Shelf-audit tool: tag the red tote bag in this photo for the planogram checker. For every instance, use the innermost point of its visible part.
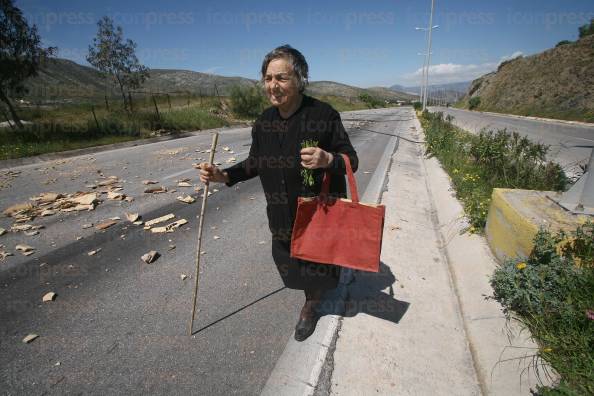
(338, 231)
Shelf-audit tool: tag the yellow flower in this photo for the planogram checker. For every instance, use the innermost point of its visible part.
(521, 265)
(547, 350)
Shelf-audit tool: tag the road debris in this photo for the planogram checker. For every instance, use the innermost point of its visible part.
(50, 296)
(94, 252)
(216, 237)
(25, 249)
(160, 219)
(4, 253)
(105, 224)
(155, 190)
(150, 257)
(132, 217)
(184, 184)
(85, 226)
(147, 182)
(115, 196)
(31, 233)
(183, 276)
(29, 338)
(47, 212)
(186, 199)
(2, 231)
(171, 247)
(169, 227)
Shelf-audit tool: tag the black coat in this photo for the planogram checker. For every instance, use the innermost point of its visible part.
(275, 157)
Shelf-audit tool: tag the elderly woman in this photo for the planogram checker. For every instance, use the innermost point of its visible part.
(278, 156)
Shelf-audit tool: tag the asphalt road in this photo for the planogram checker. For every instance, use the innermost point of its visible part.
(554, 134)
(118, 325)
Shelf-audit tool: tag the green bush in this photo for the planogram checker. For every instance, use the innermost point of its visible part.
(417, 105)
(551, 293)
(587, 29)
(474, 102)
(247, 101)
(563, 42)
(371, 101)
(479, 163)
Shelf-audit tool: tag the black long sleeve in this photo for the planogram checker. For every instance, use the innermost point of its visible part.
(248, 168)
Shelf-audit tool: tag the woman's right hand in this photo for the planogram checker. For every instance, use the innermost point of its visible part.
(210, 173)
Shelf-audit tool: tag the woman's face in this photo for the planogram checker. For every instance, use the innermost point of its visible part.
(280, 83)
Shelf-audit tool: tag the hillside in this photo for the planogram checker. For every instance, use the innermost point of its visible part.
(557, 83)
(66, 81)
(322, 88)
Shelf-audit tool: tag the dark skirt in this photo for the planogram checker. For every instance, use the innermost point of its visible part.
(301, 274)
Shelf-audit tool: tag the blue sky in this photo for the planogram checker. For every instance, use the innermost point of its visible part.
(362, 43)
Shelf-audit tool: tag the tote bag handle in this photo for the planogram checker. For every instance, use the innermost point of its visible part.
(351, 178)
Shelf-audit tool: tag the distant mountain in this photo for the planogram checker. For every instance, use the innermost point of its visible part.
(460, 87)
(65, 80)
(556, 83)
(321, 88)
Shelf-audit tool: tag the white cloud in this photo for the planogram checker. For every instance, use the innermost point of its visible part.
(444, 73)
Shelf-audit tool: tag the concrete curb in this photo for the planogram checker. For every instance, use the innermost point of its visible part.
(300, 366)
(500, 349)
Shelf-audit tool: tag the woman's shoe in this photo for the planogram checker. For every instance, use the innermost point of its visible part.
(305, 328)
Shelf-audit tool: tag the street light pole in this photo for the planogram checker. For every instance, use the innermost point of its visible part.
(429, 53)
(425, 69)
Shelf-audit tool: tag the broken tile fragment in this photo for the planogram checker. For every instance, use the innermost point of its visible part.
(25, 249)
(160, 219)
(132, 217)
(29, 338)
(186, 199)
(105, 224)
(94, 252)
(155, 190)
(50, 296)
(184, 184)
(150, 257)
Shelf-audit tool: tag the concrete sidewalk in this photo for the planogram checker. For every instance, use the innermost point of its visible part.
(423, 326)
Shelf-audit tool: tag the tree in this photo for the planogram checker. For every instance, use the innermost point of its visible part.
(587, 29)
(474, 102)
(247, 101)
(21, 54)
(111, 55)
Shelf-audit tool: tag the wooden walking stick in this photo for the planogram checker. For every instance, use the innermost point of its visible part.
(213, 147)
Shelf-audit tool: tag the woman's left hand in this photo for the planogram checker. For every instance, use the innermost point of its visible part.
(315, 157)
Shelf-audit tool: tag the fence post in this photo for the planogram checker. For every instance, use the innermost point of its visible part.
(130, 101)
(95, 117)
(156, 108)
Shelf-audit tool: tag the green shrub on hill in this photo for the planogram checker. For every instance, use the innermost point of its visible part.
(474, 102)
(247, 101)
(587, 29)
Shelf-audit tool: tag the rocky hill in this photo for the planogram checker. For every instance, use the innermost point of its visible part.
(64, 80)
(557, 83)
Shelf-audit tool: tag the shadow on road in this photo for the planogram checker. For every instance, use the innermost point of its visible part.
(237, 310)
(365, 294)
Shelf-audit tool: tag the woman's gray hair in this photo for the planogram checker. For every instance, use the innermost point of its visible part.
(296, 59)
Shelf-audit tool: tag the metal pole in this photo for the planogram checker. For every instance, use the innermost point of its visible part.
(429, 52)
